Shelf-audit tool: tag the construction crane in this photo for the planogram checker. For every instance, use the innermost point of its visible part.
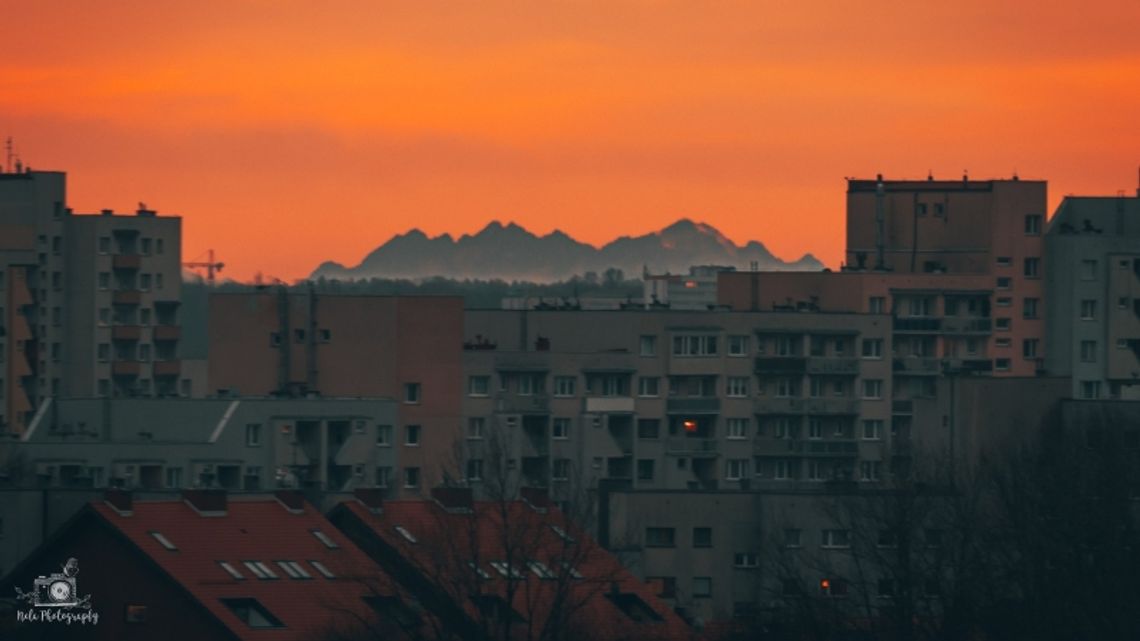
(210, 265)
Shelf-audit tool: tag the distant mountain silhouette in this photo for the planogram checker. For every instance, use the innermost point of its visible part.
(510, 252)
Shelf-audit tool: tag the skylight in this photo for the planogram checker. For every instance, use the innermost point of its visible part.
(320, 567)
(231, 570)
(574, 573)
(506, 570)
(163, 541)
(324, 538)
(294, 570)
(260, 570)
(562, 533)
(478, 570)
(406, 534)
(540, 569)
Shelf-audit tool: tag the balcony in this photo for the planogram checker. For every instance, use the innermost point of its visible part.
(523, 362)
(694, 447)
(506, 403)
(167, 368)
(126, 261)
(692, 406)
(969, 366)
(833, 366)
(833, 406)
(778, 406)
(781, 365)
(126, 297)
(126, 333)
(777, 446)
(917, 324)
(902, 407)
(126, 368)
(844, 448)
(917, 366)
(167, 332)
(953, 325)
(608, 405)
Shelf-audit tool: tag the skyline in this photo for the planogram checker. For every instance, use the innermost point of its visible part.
(260, 122)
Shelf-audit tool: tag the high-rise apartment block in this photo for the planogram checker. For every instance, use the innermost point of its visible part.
(89, 304)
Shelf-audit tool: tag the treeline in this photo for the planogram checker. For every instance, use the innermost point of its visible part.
(476, 293)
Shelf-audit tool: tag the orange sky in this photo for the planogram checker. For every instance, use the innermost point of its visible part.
(290, 132)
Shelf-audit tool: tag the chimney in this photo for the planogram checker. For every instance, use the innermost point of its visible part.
(120, 500)
(210, 502)
(536, 497)
(454, 498)
(371, 497)
(293, 500)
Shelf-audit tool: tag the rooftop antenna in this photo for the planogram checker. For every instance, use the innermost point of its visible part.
(8, 148)
(880, 259)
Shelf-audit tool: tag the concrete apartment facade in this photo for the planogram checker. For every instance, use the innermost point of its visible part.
(1093, 278)
(324, 446)
(294, 344)
(89, 303)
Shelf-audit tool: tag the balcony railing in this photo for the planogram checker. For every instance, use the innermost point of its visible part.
(778, 406)
(126, 297)
(125, 368)
(917, 324)
(691, 446)
(126, 261)
(692, 406)
(167, 368)
(608, 404)
(833, 448)
(126, 333)
(821, 365)
(952, 325)
(781, 365)
(831, 406)
(167, 332)
(917, 366)
(777, 446)
(506, 403)
(902, 407)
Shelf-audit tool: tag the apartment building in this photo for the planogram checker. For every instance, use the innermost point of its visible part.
(678, 400)
(89, 304)
(1093, 277)
(300, 343)
(990, 228)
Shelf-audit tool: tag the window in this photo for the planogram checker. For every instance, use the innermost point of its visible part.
(252, 613)
(787, 388)
(383, 435)
(146, 246)
(158, 285)
(412, 435)
(660, 537)
(478, 385)
(737, 428)
(411, 392)
(1032, 267)
(815, 428)
(383, 476)
(872, 348)
(163, 541)
(1029, 348)
(475, 427)
(1004, 282)
(920, 209)
(738, 346)
(324, 571)
(872, 389)
(746, 560)
(159, 246)
(645, 469)
(792, 537)
(736, 469)
(1033, 225)
(1088, 270)
(104, 244)
(103, 352)
(1088, 309)
(1029, 308)
(174, 477)
(702, 586)
(144, 282)
(144, 352)
(231, 570)
(1001, 364)
(648, 346)
(564, 385)
(260, 570)
(475, 469)
(835, 539)
(1001, 324)
(253, 434)
(737, 386)
(540, 570)
(694, 345)
(1088, 351)
(702, 537)
(832, 587)
(815, 470)
(411, 477)
(815, 387)
(876, 304)
(648, 428)
(1004, 261)
(784, 346)
(507, 570)
(870, 470)
(781, 470)
(560, 469)
(872, 429)
(561, 428)
(325, 539)
(648, 386)
(294, 570)
(1003, 301)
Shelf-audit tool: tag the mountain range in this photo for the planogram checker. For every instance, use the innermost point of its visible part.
(510, 252)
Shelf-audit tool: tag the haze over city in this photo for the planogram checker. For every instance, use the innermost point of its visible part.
(288, 133)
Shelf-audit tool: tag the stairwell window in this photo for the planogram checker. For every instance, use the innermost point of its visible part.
(872, 389)
(411, 477)
(737, 387)
(411, 392)
(660, 537)
(1033, 225)
(478, 385)
(835, 539)
(738, 345)
(412, 435)
(564, 385)
(1088, 309)
(1032, 267)
(253, 434)
(736, 469)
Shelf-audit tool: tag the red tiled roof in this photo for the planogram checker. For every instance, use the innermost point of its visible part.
(255, 530)
(446, 540)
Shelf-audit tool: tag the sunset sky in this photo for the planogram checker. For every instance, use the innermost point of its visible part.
(288, 132)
